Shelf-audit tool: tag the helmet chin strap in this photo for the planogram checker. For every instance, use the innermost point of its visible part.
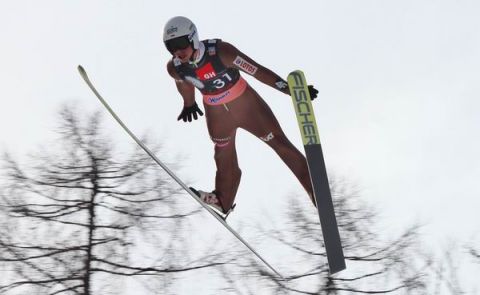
(197, 54)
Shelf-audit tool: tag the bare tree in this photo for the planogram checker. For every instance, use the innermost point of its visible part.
(81, 218)
(444, 275)
(476, 254)
(374, 265)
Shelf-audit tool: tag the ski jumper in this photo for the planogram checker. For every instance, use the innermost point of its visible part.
(231, 103)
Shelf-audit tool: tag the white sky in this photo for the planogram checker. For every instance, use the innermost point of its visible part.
(398, 113)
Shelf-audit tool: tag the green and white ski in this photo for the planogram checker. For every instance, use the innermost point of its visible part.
(316, 166)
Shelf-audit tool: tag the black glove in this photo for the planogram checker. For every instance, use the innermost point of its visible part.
(187, 113)
(313, 92)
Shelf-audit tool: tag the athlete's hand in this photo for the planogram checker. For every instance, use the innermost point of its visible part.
(313, 92)
(187, 113)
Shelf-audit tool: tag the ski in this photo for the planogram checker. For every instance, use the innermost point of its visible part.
(84, 75)
(316, 165)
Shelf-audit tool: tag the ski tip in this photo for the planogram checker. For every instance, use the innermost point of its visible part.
(296, 72)
(81, 70)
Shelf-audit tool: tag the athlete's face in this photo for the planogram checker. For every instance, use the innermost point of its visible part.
(180, 47)
(184, 54)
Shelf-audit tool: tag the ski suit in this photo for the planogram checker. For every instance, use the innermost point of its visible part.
(231, 103)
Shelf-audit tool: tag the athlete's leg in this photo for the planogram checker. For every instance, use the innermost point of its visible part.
(228, 174)
(255, 116)
(222, 129)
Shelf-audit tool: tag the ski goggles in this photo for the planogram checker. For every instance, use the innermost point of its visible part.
(178, 43)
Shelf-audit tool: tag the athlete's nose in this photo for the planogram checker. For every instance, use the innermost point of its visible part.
(179, 53)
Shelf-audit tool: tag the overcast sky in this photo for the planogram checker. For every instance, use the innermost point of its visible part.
(398, 108)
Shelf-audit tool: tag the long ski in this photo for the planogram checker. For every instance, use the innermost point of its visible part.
(83, 73)
(316, 166)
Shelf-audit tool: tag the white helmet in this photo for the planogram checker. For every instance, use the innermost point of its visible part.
(178, 27)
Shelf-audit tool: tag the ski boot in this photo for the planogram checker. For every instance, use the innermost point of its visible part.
(213, 202)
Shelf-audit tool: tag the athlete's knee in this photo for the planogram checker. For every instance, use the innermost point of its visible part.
(225, 154)
(221, 142)
(268, 137)
(282, 145)
(276, 140)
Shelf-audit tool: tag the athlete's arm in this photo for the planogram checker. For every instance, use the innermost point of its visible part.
(232, 57)
(187, 91)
